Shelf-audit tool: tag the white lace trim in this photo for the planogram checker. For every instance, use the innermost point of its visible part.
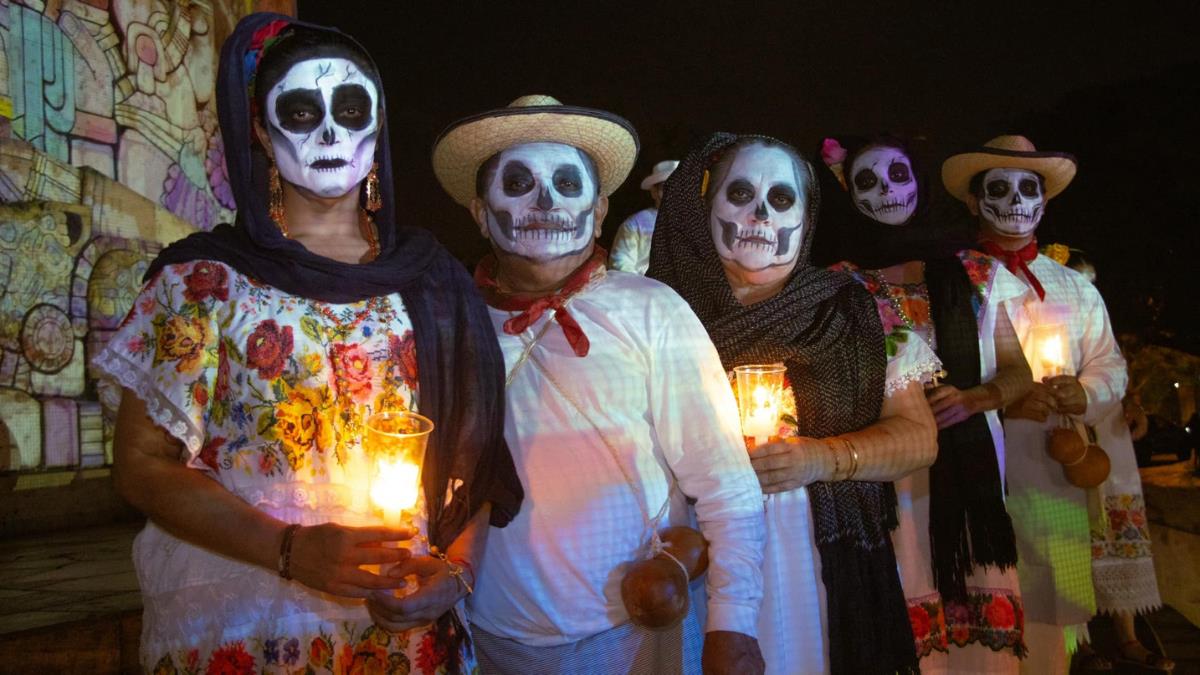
(161, 409)
(1125, 585)
(918, 372)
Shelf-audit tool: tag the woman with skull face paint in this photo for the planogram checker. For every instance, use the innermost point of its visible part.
(733, 239)
(896, 236)
(250, 363)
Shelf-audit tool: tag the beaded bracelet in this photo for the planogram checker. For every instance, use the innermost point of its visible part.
(456, 569)
(285, 550)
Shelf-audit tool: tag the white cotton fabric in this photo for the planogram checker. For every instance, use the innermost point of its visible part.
(654, 384)
(631, 246)
(793, 629)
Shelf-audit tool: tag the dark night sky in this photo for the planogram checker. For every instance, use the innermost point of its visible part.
(1117, 84)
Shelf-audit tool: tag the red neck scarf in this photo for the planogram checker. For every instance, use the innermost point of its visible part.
(532, 308)
(1017, 260)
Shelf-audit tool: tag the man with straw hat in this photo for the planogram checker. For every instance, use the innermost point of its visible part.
(1067, 569)
(618, 412)
(631, 246)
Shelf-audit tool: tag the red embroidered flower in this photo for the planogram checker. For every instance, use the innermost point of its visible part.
(1117, 518)
(200, 393)
(430, 654)
(208, 453)
(320, 653)
(368, 658)
(231, 659)
(921, 624)
(960, 635)
(1137, 518)
(999, 613)
(193, 660)
(268, 349)
(206, 279)
(136, 345)
(404, 356)
(221, 388)
(266, 463)
(351, 370)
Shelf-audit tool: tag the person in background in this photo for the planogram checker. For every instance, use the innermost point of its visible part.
(631, 246)
(1069, 569)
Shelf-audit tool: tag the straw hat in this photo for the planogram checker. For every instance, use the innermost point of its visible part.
(1008, 152)
(466, 144)
(660, 173)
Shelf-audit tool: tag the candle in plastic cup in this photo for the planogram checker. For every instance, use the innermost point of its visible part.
(395, 447)
(1051, 352)
(760, 397)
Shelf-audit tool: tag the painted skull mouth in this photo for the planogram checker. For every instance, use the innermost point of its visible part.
(755, 238)
(891, 206)
(541, 226)
(329, 164)
(1015, 215)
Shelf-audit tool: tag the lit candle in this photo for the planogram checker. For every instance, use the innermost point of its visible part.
(394, 489)
(760, 392)
(1051, 349)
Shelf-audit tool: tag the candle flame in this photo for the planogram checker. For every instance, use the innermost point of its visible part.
(1052, 351)
(395, 486)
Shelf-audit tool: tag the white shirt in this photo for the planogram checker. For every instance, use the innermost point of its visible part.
(654, 384)
(631, 246)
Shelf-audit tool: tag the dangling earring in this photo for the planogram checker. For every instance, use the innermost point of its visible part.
(374, 198)
(275, 199)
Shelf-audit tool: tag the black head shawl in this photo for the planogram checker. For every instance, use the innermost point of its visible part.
(968, 523)
(461, 368)
(825, 328)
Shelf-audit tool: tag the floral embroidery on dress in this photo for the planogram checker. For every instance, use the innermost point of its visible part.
(1125, 534)
(993, 618)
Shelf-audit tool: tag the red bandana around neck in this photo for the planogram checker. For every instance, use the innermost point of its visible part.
(1017, 260)
(532, 308)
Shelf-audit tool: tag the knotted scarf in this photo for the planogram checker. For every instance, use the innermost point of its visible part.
(531, 308)
(825, 328)
(1017, 260)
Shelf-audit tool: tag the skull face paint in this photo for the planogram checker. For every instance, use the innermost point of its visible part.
(323, 125)
(883, 185)
(757, 212)
(1012, 201)
(540, 202)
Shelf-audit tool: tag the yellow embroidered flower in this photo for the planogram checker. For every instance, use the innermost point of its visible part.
(181, 339)
(312, 361)
(301, 423)
(1059, 253)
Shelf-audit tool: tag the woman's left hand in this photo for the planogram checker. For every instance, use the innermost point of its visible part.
(437, 591)
(790, 464)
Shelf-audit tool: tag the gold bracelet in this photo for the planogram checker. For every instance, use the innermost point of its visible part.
(853, 458)
(284, 566)
(837, 465)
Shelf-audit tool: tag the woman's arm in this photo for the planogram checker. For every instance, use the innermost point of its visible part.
(190, 505)
(437, 589)
(1013, 380)
(902, 441)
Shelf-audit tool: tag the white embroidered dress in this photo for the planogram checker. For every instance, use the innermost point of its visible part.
(268, 393)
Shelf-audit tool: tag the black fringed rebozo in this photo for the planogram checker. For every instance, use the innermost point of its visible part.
(825, 328)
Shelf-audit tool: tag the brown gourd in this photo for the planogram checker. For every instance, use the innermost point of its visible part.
(655, 593)
(689, 547)
(1091, 470)
(1065, 446)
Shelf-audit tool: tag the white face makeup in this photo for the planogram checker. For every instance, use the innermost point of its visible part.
(323, 125)
(758, 210)
(1012, 201)
(883, 185)
(540, 203)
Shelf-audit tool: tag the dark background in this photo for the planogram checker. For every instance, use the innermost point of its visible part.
(1116, 84)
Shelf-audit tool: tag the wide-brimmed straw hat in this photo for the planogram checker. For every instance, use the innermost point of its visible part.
(659, 173)
(1008, 152)
(466, 144)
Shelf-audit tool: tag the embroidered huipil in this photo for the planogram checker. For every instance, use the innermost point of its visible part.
(631, 245)
(654, 385)
(987, 630)
(268, 393)
(793, 626)
(1070, 570)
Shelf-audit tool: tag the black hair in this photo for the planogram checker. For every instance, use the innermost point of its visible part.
(487, 172)
(299, 43)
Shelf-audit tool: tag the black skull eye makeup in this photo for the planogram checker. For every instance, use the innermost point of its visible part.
(516, 179)
(899, 172)
(865, 179)
(300, 110)
(568, 181)
(782, 197)
(1029, 187)
(997, 188)
(739, 192)
(352, 106)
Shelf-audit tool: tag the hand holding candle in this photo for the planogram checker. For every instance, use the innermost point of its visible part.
(395, 448)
